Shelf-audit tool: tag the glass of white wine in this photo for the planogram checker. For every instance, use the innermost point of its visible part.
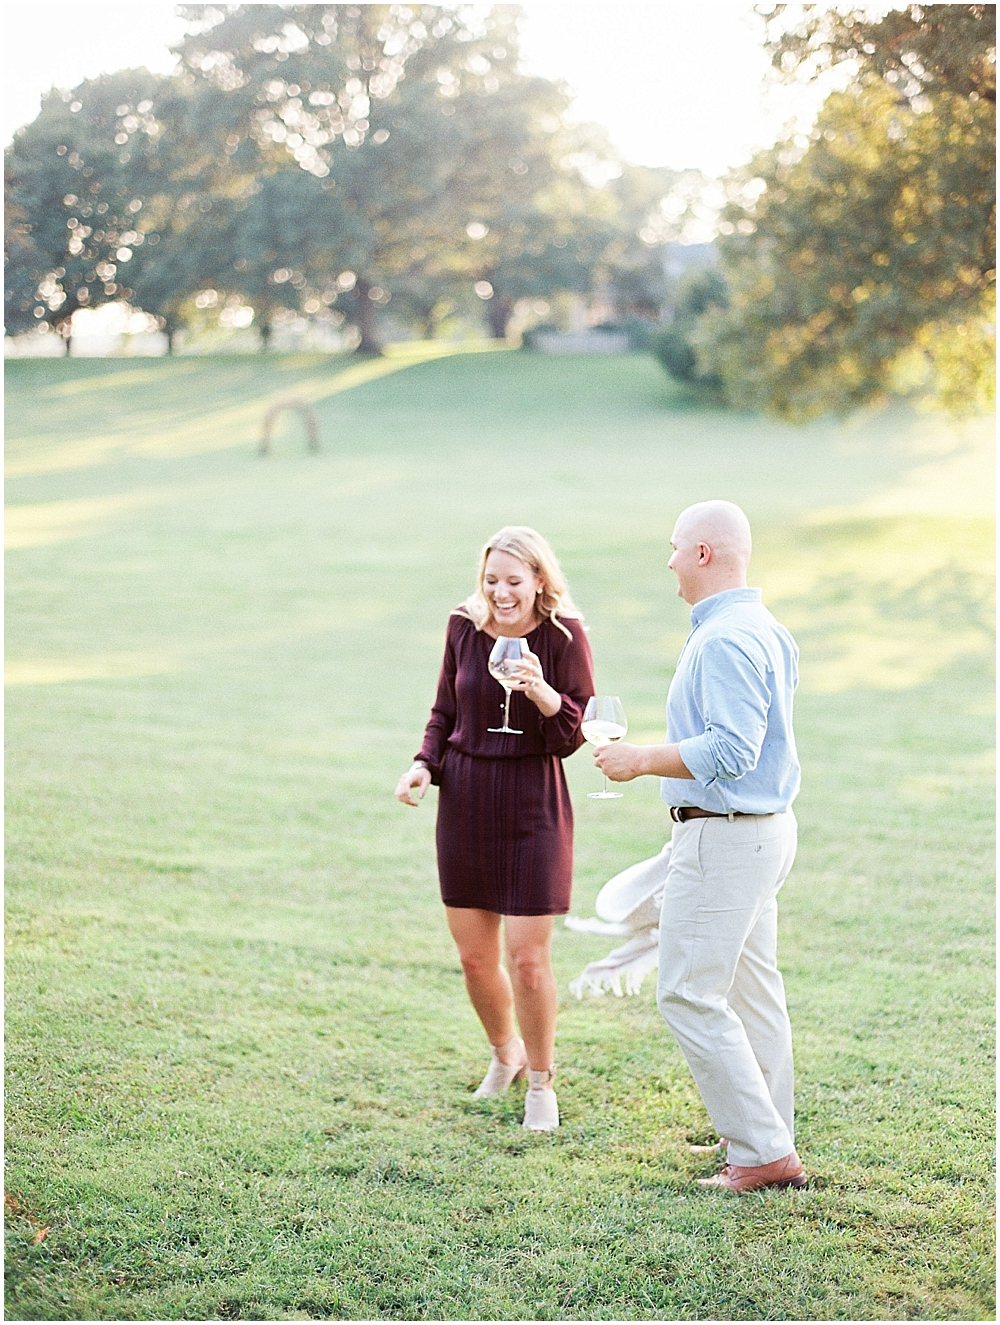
(504, 658)
(604, 721)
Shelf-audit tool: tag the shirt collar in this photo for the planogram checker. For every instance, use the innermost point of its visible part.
(709, 606)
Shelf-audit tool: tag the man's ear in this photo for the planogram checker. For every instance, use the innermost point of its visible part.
(704, 554)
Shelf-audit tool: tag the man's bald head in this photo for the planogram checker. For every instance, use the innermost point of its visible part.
(711, 549)
(720, 524)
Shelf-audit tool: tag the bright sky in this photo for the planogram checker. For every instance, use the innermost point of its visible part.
(676, 83)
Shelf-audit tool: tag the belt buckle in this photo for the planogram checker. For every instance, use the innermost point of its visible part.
(675, 813)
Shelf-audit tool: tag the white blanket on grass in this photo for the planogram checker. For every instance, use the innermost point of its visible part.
(628, 904)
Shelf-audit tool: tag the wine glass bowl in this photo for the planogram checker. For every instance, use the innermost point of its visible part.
(604, 721)
(505, 655)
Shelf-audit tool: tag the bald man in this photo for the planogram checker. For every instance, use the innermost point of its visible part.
(729, 772)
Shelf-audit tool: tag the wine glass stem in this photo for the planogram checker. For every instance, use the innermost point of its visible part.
(506, 711)
(605, 783)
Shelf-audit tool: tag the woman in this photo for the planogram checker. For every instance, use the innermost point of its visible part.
(505, 822)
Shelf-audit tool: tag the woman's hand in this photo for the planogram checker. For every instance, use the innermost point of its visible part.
(527, 677)
(417, 780)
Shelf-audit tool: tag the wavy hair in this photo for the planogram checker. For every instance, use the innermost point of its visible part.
(530, 547)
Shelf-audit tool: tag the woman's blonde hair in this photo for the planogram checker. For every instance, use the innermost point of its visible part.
(530, 547)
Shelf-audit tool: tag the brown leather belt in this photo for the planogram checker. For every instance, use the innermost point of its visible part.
(681, 813)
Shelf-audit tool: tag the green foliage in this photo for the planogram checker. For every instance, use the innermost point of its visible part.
(673, 349)
(876, 235)
(700, 290)
(633, 259)
(917, 48)
(445, 165)
(327, 160)
(90, 185)
(240, 1052)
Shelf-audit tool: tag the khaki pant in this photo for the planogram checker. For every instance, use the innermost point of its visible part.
(719, 988)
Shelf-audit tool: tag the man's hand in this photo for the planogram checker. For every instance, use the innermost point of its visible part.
(622, 762)
(619, 761)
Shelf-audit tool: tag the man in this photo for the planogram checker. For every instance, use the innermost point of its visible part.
(729, 772)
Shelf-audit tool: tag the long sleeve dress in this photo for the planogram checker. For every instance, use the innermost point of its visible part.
(505, 821)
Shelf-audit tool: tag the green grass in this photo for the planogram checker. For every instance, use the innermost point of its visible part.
(239, 1047)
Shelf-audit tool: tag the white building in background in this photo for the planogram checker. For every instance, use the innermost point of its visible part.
(589, 341)
(678, 258)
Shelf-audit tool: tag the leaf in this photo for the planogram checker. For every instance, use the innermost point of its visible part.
(40, 1235)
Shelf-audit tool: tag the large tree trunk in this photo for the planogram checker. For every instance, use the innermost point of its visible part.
(498, 311)
(264, 329)
(171, 326)
(424, 320)
(65, 329)
(365, 319)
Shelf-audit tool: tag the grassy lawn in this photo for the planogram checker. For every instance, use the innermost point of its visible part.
(239, 1047)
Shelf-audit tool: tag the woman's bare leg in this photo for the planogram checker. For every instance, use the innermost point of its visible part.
(528, 941)
(477, 937)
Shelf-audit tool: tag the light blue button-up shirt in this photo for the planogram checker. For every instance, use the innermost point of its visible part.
(730, 709)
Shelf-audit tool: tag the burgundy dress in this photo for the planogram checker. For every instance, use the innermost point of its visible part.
(505, 822)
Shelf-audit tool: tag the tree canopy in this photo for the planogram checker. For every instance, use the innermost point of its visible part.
(89, 187)
(311, 156)
(856, 253)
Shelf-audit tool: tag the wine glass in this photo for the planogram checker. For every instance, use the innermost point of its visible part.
(504, 658)
(604, 721)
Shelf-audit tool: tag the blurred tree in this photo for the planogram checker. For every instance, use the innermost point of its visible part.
(871, 240)
(633, 260)
(294, 87)
(699, 291)
(24, 262)
(446, 166)
(917, 48)
(278, 245)
(530, 223)
(311, 155)
(85, 184)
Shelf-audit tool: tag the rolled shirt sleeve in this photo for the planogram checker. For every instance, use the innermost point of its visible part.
(730, 689)
(729, 709)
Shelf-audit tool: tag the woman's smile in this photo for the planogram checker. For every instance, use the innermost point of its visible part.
(511, 589)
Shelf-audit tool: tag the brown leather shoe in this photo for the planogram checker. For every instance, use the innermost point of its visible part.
(786, 1172)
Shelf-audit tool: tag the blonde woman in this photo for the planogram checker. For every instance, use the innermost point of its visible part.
(505, 822)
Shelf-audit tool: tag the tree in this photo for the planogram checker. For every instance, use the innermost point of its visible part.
(281, 246)
(873, 238)
(530, 224)
(72, 204)
(917, 48)
(310, 155)
(633, 259)
(24, 261)
(88, 183)
(700, 290)
(311, 88)
(444, 162)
